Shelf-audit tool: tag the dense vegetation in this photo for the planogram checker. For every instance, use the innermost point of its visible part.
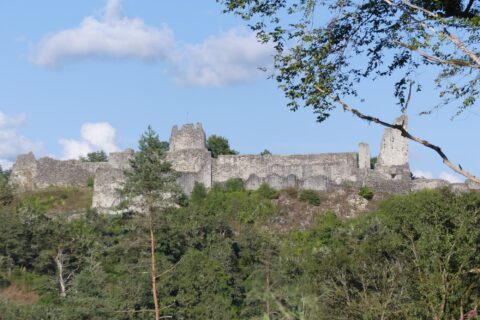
(414, 258)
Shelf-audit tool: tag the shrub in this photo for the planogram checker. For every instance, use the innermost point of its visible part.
(292, 193)
(90, 182)
(310, 196)
(267, 192)
(366, 192)
(199, 192)
(235, 184)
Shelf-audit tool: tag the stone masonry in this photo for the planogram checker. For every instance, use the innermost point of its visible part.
(190, 156)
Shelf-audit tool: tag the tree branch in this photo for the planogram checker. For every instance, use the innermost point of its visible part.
(451, 36)
(458, 63)
(407, 135)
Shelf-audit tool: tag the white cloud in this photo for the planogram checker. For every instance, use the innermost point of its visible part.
(233, 57)
(94, 137)
(11, 142)
(230, 58)
(112, 36)
(450, 177)
(422, 174)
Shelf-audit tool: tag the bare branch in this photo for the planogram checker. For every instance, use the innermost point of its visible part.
(407, 135)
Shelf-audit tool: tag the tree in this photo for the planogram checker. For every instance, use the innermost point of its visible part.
(219, 146)
(265, 153)
(151, 185)
(324, 50)
(97, 156)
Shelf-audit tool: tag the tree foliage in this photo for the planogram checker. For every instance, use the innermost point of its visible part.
(97, 156)
(326, 49)
(150, 176)
(416, 257)
(218, 145)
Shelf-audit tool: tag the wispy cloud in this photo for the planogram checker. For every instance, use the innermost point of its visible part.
(229, 58)
(422, 174)
(12, 142)
(94, 137)
(111, 36)
(450, 177)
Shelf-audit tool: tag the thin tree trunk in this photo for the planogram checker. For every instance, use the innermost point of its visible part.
(154, 268)
(59, 262)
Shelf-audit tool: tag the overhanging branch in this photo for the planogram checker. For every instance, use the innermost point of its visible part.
(407, 135)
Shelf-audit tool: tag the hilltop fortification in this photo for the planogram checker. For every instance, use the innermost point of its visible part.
(190, 156)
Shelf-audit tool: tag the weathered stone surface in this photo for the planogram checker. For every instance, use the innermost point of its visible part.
(364, 156)
(394, 148)
(187, 137)
(429, 184)
(335, 167)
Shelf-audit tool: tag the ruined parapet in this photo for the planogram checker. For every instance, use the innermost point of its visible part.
(392, 161)
(188, 137)
(315, 171)
(105, 191)
(24, 173)
(121, 160)
(364, 156)
(428, 184)
(109, 179)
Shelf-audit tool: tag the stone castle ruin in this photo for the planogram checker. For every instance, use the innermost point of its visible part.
(190, 156)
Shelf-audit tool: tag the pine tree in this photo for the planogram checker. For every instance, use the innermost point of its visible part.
(150, 186)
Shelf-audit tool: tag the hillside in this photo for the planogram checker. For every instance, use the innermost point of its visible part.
(229, 253)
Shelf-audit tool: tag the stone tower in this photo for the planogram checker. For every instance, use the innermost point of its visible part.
(187, 137)
(392, 160)
(189, 156)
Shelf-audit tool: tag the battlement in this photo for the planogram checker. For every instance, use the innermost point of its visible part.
(188, 137)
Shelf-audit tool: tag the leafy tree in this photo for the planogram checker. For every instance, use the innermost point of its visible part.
(97, 156)
(265, 153)
(219, 146)
(151, 185)
(325, 50)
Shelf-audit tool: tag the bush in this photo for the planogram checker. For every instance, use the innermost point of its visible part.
(267, 192)
(310, 196)
(292, 193)
(366, 193)
(265, 153)
(199, 192)
(235, 184)
(90, 182)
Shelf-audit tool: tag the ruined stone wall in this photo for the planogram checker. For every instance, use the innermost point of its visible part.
(109, 178)
(29, 174)
(305, 171)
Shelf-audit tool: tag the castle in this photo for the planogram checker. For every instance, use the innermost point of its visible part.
(190, 156)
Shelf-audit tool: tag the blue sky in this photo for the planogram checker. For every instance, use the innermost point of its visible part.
(76, 76)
